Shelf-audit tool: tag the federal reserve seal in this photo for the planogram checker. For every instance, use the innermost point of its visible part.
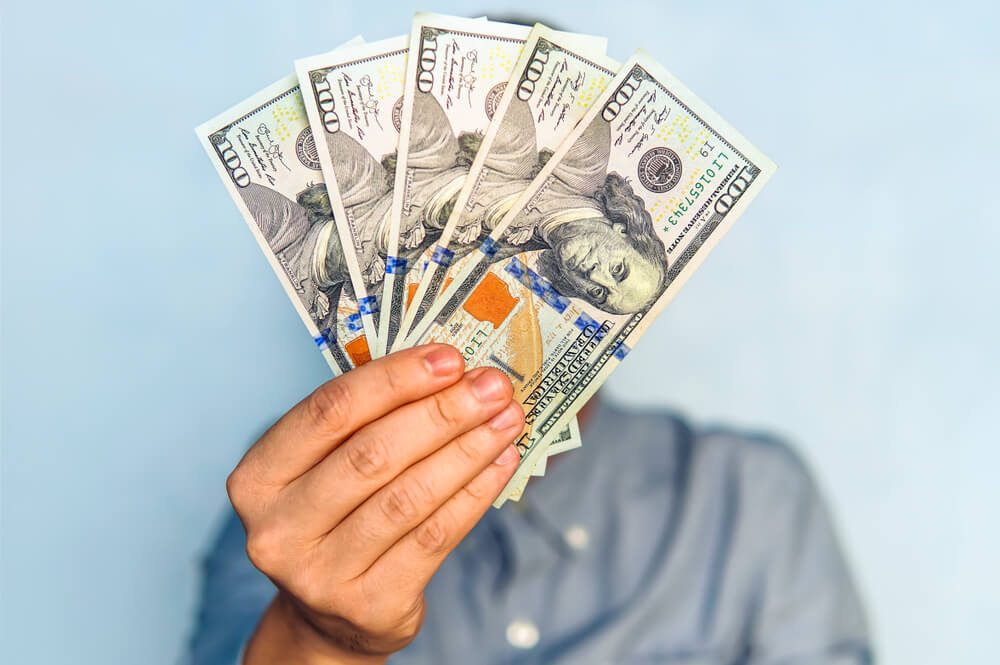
(660, 170)
(305, 150)
(397, 113)
(493, 99)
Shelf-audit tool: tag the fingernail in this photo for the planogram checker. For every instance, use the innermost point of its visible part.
(489, 386)
(510, 416)
(508, 456)
(443, 361)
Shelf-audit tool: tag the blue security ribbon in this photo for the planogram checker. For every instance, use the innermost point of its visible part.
(353, 322)
(585, 322)
(489, 247)
(325, 339)
(622, 351)
(517, 269)
(368, 305)
(442, 256)
(540, 286)
(394, 264)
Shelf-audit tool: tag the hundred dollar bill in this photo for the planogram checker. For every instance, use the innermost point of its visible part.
(517, 485)
(553, 84)
(455, 71)
(353, 98)
(622, 214)
(567, 439)
(264, 152)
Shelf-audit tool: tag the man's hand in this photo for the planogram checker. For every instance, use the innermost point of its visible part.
(353, 499)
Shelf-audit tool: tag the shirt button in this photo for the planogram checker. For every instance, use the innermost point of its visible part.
(577, 537)
(522, 634)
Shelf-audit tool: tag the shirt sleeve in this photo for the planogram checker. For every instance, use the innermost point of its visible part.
(808, 610)
(234, 596)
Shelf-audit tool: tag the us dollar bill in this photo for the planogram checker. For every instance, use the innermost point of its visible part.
(553, 84)
(264, 152)
(353, 99)
(567, 439)
(456, 68)
(622, 214)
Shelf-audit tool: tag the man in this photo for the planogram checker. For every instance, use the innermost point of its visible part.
(367, 508)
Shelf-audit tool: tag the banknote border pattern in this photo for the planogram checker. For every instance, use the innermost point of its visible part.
(225, 128)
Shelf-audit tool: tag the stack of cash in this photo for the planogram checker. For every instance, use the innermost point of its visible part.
(506, 189)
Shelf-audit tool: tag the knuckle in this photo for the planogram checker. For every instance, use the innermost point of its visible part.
(395, 377)
(432, 536)
(265, 549)
(478, 491)
(471, 446)
(329, 406)
(402, 502)
(367, 457)
(443, 412)
(402, 619)
(394, 617)
(412, 619)
(236, 488)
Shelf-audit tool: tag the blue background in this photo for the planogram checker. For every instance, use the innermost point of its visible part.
(854, 309)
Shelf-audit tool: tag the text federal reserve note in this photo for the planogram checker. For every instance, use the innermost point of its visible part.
(620, 216)
(353, 98)
(264, 152)
(554, 82)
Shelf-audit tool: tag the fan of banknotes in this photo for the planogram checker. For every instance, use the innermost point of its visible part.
(506, 189)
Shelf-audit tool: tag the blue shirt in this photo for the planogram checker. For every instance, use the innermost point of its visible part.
(654, 543)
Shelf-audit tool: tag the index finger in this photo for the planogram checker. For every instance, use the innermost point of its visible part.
(335, 410)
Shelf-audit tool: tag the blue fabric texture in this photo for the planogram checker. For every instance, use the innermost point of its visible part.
(654, 543)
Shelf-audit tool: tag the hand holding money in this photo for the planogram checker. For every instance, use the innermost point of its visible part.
(353, 499)
(509, 191)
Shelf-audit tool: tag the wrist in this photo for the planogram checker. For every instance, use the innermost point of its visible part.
(284, 635)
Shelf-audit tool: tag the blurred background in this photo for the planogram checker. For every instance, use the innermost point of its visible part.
(853, 310)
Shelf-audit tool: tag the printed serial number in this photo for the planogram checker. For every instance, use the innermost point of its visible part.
(699, 186)
(474, 344)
